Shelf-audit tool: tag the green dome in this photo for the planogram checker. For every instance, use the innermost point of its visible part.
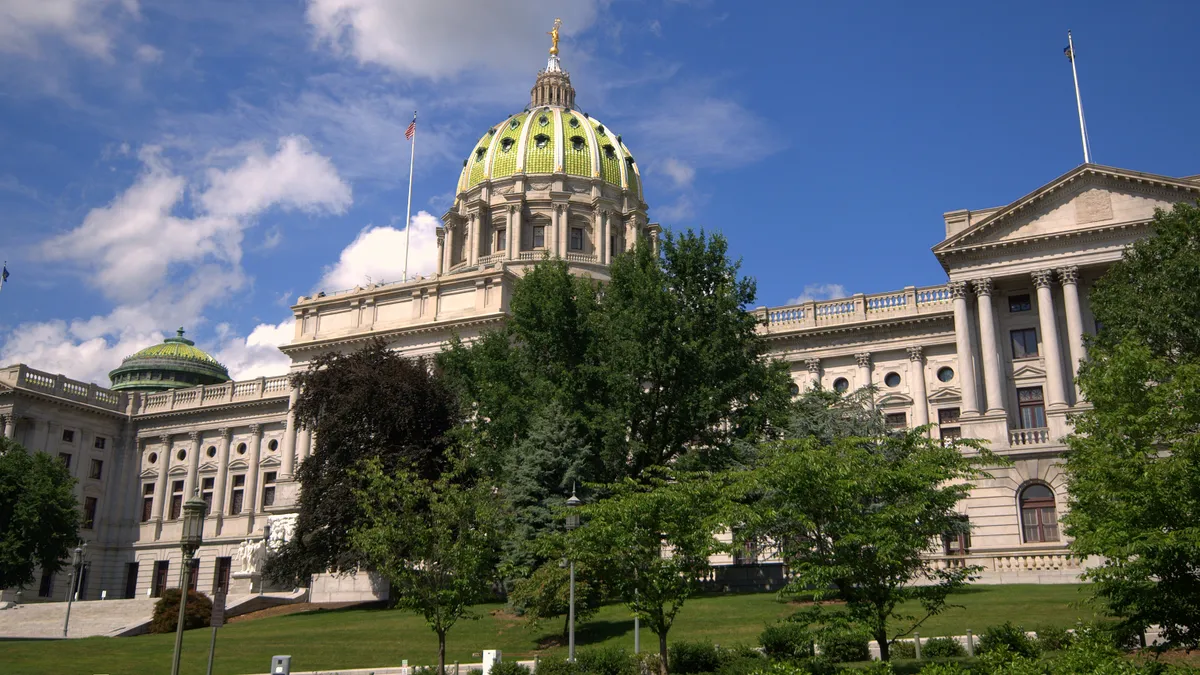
(174, 364)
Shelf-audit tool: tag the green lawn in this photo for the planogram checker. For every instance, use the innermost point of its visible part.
(359, 638)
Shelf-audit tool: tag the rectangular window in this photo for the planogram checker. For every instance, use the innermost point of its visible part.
(221, 578)
(89, 512)
(159, 583)
(176, 500)
(65, 458)
(268, 493)
(576, 239)
(958, 540)
(1024, 343)
(501, 240)
(99, 444)
(46, 585)
(147, 502)
(206, 493)
(1032, 408)
(539, 236)
(235, 495)
(1019, 303)
(897, 420)
(193, 573)
(948, 424)
(69, 435)
(612, 245)
(96, 470)
(131, 575)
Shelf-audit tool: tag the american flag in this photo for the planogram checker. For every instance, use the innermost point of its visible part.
(412, 129)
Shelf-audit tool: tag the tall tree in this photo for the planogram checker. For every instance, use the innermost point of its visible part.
(1134, 462)
(855, 518)
(623, 537)
(39, 517)
(367, 404)
(435, 540)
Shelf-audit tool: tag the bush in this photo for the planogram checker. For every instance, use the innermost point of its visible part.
(606, 661)
(817, 665)
(1010, 637)
(556, 666)
(685, 658)
(786, 640)
(740, 665)
(845, 645)
(166, 611)
(944, 669)
(903, 650)
(942, 648)
(1053, 638)
(508, 668)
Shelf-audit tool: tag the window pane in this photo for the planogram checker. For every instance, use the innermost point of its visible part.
(1019, 303)
(539, 236)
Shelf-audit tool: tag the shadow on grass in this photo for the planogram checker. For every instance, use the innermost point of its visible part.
(595, 631)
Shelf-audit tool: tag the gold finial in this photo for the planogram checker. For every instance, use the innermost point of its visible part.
(554, 37)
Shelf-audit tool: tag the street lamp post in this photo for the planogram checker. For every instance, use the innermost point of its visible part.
(192, 537)
(76, 559)
(572, 523)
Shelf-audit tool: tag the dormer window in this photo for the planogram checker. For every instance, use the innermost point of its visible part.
(610, 152)
(574, 123)
(513, 124)
(543, 120)
(506, 145)
(629, 161)
(492, 131)
(479, 153)
(541, 140)
(577, 143)
(600, 129)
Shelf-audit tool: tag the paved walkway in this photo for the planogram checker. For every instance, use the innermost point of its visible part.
(90, 617)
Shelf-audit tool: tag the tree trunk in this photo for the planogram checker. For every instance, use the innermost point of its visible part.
(441, 652)
(662, 653)
(881, 639)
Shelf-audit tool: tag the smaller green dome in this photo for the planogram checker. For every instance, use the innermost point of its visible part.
(174, 364)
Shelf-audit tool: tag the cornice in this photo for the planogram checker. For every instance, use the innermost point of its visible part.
(116, 414)
(400, 331)
(1039, 243)
(808, 331)
(216, 407)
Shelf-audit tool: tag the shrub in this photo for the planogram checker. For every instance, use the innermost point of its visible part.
(903, 650)
(166, 611)
(944, 669)
(556, 666)
(817, 665)
(1053, 638)
(606, 661)
(942, 648)
(844, 645)
(508, 668)
(647, 663)
(689, 657)
(739, 665)
(1010, 637)
(786, 640)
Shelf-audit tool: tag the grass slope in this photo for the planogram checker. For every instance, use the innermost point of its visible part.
(360, 638)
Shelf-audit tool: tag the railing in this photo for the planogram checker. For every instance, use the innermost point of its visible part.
(581, 257)
(908, 302)
(228, 392)
(1035, 561)
(492, 258)
(1020, 437)
(24, 377)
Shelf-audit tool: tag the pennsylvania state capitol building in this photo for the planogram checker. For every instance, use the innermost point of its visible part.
(990, 354)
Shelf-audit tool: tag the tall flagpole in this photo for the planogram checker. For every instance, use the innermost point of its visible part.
(1087, 155)
(408, 216)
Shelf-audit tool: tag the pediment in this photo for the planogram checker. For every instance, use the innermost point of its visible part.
(208, 467)
(946, 395)
(238, 464)
(270, 461)
(177, 470)
(149, 473)
(1090, 197)
(1027, 372)
(894, 400)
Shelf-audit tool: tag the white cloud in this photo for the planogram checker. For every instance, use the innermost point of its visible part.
(87, 25)
(680, 172)
(295, 177)
(257, 354)
(148, 54)
(819, 292)
(441, 39)
(378, 253)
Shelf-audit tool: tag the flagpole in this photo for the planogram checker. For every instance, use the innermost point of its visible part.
(412, 158)
(1087, 159)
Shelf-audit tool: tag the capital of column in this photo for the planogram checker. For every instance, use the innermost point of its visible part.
(958, 290)
(256, 430)
(863, 359)
(165, 438)
(1068, 275)
(194, 436)
(814, 365)
(224, 432)
(983, 287)
(1042, 278)
(916, 353)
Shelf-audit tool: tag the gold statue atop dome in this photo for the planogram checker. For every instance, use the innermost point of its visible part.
(554, 37)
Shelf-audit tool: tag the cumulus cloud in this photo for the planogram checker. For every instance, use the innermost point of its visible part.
(148, 54)
(257, 354)
(295, 177)
(377, 253)
(87, 25)
(681, 173)
(819, 292)
(441, 39)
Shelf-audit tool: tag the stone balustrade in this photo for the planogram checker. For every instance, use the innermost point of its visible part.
(1025, 437)
(911, 301)
(1016, 562)
(215, 394)
(24, 377)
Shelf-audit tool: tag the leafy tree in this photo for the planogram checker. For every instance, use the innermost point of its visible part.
(166, 611)
(368, 404)
(854, 518)
(39, 517)
(1133, 466)
(434, 539)
(546, 593)
(826, 415)
(623, 538)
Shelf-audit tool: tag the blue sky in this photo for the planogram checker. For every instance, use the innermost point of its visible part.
(206, 163)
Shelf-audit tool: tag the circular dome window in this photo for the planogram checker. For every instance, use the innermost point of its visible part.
(153, 457)
(574, 123)
(840, 385)
(241, 448)
(181, 455)
(795, 389)
(577, 143)
(892, 379)
(945, 373)
(543, 120)
(273, 445)
(212, 451)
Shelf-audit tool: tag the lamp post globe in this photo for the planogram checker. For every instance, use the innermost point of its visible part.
(190, 539)
(573, 505)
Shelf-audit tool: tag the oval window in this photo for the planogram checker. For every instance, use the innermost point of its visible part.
(241, 448)
(181, 455)
(273, 445)
(153, 457)
(945, 373)
(212, 451)
(892, 379)
(840, 385)
(795, 389)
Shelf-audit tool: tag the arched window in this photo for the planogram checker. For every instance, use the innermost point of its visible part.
(1039, 520)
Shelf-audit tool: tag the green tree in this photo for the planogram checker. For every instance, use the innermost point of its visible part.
(855, 518)
(435, 540)
(39, 517)
(624, 536)
(370, 403)
(826, 415)
(1133, 464)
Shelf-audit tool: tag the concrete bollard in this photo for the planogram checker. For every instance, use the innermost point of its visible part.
(917, 645)
(970, 643)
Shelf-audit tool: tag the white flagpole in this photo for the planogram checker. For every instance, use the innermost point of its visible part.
(1087, 155)
(408, 216)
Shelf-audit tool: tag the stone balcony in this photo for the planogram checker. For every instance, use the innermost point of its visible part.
(911, 302)
(23, 377)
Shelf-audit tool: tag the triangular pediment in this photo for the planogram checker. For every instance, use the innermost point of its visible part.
(208, 467)
(270, 461)
(1027, 372)
(946, 395)
(1090, 197)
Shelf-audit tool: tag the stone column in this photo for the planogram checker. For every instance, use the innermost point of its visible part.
(287, 463)
(814, 372)
(305, 444)
(218, 507)
(1055, 391)
(473, 239)
(250, 498)
(1069, 278)
(864, 368)
(916, 379)
(962, 344)
(189, 485)
(988, 351)
(10, 427)
(602, 237)
(164, 467)
(441, 248)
